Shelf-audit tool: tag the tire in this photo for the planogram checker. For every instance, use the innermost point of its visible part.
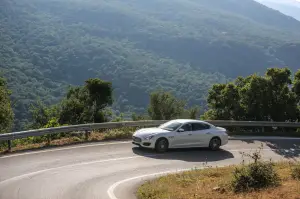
(161, 145)
(215, 143)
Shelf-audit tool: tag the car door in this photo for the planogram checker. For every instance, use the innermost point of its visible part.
(201, 134)
(185, 138)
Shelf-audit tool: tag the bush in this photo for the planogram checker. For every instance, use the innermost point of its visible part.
(296, 172)
(123, 133)
(117, 135)
(257, 175)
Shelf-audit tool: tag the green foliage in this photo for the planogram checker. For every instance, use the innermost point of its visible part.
(6, 112)
(86, 104)
(118, 118)
(191, 113)
(139, 46)
(222, 100)
(42, 115)
(118, 134)
(136, 117)
(261, 98)
(53, 122)
(82, 104)
(165, 106)
(296, 85)
(257, 175)
(194, 112)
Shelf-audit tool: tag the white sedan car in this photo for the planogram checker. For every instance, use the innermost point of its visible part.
(181, 133)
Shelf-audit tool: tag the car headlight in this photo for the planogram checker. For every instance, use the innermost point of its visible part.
(149, 137)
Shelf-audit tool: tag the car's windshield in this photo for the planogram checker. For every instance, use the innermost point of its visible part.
(170, 126)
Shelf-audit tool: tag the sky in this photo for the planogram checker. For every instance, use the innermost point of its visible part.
(283, 1)
(288, 7)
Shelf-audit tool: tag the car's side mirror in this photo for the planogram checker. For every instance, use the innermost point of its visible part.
(181, 130)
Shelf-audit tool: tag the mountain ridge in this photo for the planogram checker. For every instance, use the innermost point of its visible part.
(184, 47)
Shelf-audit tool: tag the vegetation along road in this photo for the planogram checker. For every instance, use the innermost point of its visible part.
(114, 169)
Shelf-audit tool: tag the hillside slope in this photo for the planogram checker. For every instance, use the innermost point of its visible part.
(184, 46)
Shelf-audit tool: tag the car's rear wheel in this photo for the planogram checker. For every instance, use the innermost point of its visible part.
(215, 143)
(161, 145)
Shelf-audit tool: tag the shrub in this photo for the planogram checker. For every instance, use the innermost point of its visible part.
(118, 134)
(256, 175)
(296, 172)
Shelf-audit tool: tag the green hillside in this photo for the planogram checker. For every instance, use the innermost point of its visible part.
(182, 46)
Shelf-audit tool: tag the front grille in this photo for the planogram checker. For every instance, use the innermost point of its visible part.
(136, 139)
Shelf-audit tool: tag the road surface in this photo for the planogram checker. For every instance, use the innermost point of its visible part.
(113, 170)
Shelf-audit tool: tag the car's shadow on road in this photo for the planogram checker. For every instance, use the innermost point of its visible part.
(188, 155)
(287, 148)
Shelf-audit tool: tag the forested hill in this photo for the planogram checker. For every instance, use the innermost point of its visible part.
(181, 45)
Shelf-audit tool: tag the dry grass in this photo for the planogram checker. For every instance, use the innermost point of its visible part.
(33, 143)
(198, 184)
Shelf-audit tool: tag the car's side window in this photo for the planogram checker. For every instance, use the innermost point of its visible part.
(200, 126)
(187, 127)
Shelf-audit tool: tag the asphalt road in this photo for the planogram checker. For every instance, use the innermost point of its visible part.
(114, 170)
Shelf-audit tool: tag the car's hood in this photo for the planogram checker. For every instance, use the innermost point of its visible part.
(221, 128)
(149, 131)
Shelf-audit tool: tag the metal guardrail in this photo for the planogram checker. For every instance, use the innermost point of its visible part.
(150, 123)
(81, 127)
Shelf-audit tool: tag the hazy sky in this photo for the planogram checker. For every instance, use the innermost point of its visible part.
(287, 2)
(281, 1)
(287, 7)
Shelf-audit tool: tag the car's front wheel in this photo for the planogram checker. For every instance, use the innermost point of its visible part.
(161, 145)
(215, 143)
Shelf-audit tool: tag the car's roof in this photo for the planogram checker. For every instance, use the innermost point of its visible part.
(189, 120)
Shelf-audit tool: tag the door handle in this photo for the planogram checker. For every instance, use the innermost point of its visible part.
(208, 133)
(190, 134)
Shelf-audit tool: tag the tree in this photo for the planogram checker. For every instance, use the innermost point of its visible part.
(136, 117)
(296, 90)
(41, 115)
(165, 106)
(6, 112)
(296, 85)
(87, 103)
(282, 101)
(191, 113)
(256, 97)
(194, 112)
(224, 102)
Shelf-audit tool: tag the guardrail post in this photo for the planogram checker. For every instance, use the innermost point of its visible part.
(87, 135)
(9, 145)
(48, 140)
(262, 129)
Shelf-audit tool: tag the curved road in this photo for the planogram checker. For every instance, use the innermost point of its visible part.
(113, 170)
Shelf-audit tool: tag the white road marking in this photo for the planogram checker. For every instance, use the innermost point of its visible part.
(108, 160)
(66, 166)
(65, 148)
(83, 163)
(111, 189)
